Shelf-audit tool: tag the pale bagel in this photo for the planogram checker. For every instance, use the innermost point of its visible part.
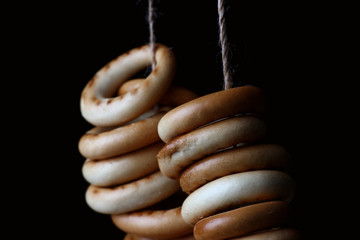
(100, 108)
(100, 143)
(242, 221)
(237, 190)
(182, 151)
(253, 157)
(132, 196)
(274, 234)
(209, 108)
(122, 168)
(158, 224)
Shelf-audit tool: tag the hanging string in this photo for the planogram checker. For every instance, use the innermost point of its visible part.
(224, 46)
(152, 35)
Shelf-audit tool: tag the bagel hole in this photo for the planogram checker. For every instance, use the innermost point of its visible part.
(144, 73)
(141, 75)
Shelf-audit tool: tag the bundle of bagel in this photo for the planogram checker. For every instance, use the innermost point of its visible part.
(167, 164)
(120, 151)
(237, 185)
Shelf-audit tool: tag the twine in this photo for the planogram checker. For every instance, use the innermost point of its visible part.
(152, 35)
(224, 46)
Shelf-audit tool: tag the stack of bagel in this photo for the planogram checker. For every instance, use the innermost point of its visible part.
(120, 151)
(167, 164)
(238, 186)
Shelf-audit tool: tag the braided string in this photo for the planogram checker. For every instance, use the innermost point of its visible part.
(224, 46)
(152, 35)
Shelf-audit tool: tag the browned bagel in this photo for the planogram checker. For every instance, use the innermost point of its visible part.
(253, 157)
(209, 108)
(242, 221)
(158, 224)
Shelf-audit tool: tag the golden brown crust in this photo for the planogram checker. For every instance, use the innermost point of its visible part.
(253, 157)
(209, 108)
(159, 224)
(242, 221)
(182, 151)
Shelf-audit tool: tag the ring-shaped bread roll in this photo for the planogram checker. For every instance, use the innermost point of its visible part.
(101, 143)
(99, 107)
(123, 168)
(158, 224)
(241, 159)
(242, 221)
(209, 108)
(273, 234)
(131, 196)
(237, 190)
(173, 97)
(182, 151)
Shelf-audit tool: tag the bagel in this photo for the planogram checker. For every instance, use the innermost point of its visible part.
(100, 108)
(273, 234)
(174, 96)
(182, 151)
(236, 190)
(131, 196)
(100, 143)
(159, 224)
(209, 108)
(242, 221)
(253, 157)
(123, 168)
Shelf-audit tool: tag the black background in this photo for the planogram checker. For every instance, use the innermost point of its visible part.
(278, 47)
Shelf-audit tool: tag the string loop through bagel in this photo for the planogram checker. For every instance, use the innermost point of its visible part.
(99, 107)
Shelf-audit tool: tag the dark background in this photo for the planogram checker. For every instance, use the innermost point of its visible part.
(278, 47)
